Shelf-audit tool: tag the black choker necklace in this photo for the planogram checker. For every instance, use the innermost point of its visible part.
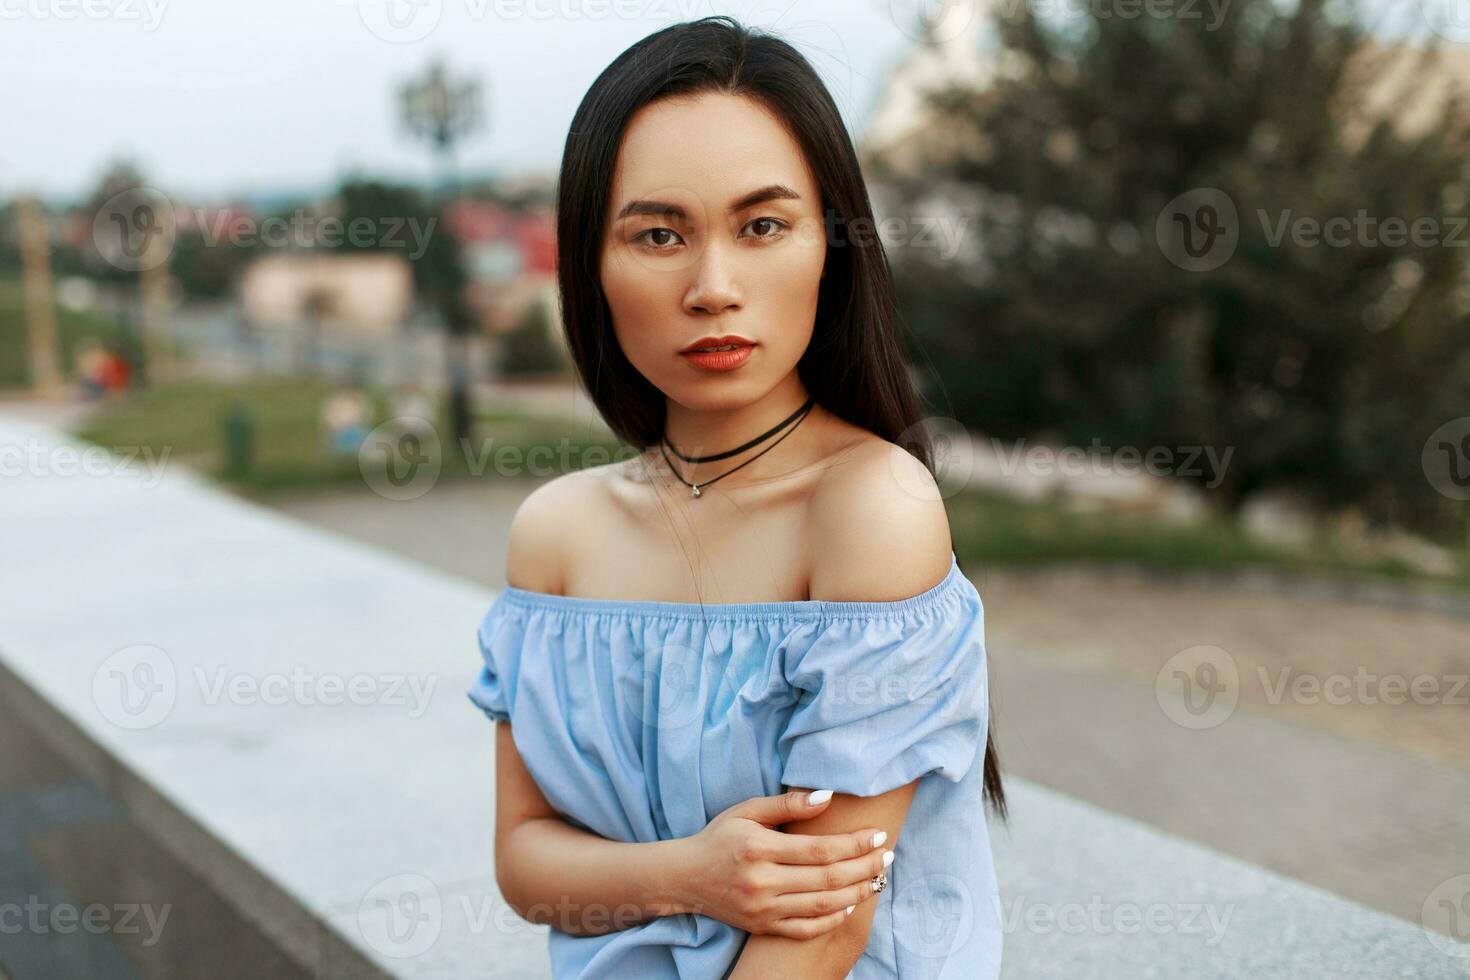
(797, 417)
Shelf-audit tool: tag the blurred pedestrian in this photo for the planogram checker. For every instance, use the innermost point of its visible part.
(344, 419)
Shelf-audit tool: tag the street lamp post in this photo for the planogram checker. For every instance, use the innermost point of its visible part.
(443, 110)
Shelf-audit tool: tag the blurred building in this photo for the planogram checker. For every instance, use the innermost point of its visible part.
(957, 47)
(365, 295)
(510, 257)
(1408, 85)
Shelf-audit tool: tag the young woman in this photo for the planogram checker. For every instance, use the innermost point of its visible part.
(742, 675)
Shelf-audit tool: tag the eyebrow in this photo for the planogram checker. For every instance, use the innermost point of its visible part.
(665, 209)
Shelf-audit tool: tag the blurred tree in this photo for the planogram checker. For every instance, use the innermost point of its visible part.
(209, 271)
(1137, 273)
(9, 240)
(111, 193)
(529, 350)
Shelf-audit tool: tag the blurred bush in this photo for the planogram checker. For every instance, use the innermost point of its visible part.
(1074, 315)
(530, 349)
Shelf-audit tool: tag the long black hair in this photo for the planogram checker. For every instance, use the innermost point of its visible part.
(855, 365)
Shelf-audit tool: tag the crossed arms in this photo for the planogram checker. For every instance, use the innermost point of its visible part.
(555, 874)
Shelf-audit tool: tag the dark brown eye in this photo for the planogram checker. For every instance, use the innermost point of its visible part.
(647, 237)
(774, 225)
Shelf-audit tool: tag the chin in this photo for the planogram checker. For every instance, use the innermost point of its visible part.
(717, 394)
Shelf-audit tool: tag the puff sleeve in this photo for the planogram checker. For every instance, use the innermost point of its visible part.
(889, 692)
(494, 688)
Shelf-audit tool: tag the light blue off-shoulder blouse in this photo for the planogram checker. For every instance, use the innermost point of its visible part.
(643, 720)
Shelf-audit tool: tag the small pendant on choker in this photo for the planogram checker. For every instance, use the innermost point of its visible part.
(695, 491)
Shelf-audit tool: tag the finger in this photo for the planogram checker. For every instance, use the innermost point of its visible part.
(809, 928)
(797, 804)
(830, 877)
(825, 848)
(817, 904)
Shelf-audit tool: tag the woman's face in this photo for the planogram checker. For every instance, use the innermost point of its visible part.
(714, 228)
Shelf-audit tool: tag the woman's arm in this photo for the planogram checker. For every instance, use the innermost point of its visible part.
(740, 869)
(555, 874)
(833, 953)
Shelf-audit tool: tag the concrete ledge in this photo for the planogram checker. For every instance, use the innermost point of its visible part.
(147, 625)
(333, 826)
(1089, 895)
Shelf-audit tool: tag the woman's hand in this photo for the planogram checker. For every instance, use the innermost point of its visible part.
(741, 871)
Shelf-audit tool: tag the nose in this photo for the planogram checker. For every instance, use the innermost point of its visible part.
(714, 289)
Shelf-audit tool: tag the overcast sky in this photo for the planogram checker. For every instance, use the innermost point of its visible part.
(219, 97)
(214, 97)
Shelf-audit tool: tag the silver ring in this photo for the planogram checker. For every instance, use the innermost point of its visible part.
(879, 882)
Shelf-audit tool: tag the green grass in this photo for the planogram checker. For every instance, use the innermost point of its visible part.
(186, 418)
(992, 528)
(72, 328)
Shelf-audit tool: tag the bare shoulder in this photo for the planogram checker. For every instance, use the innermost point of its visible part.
(878, 524)
(539, 532)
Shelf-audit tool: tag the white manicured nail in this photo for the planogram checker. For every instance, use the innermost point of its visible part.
(879, 838)
(887, 858)
(818, 797)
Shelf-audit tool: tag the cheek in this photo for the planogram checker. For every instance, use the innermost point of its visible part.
(634, 296)
(788, 295)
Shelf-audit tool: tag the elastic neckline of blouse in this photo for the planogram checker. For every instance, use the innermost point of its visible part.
(793, 608)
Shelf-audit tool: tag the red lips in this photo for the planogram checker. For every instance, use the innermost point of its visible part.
(719, 342)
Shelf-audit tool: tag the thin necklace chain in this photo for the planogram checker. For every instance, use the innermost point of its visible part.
(697, 488)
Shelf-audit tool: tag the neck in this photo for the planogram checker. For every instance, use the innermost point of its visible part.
(702, 432)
